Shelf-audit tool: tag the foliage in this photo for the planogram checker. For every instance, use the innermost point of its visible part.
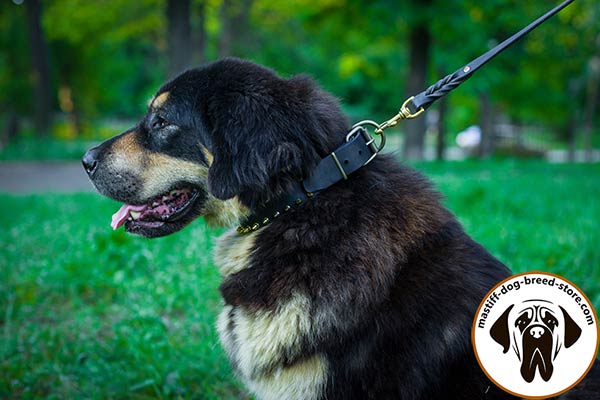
(109, 57)
(15, 92)
(88, 312)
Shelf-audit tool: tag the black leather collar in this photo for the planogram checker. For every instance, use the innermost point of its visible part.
(358, 150)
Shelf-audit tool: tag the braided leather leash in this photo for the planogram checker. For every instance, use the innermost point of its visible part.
(416, 105)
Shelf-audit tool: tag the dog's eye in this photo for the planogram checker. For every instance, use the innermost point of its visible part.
(159, 122)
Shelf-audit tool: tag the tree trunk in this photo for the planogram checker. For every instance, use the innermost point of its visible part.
(41, 68)
(440, 147)
(11, 129)
(417, 79)
(179, 38)
(226, 36)
(593, 85)
(571, 126)
(570, 130)
(199, 34)
(236, 36)
(486, 121)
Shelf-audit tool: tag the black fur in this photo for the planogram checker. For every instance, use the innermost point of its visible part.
(392, 278)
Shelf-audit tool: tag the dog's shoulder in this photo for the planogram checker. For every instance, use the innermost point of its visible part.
(378, 250)
(352, 242)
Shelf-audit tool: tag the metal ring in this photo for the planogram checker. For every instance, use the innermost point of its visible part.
(364, 124)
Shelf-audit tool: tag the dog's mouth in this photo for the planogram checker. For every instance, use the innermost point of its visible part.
(169, 208)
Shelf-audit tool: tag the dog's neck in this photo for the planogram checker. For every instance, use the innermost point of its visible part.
(358, 150)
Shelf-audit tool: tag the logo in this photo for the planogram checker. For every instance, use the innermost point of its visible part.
(535, 335)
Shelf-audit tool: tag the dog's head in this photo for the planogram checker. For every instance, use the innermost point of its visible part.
(216, 141)
(537, 331)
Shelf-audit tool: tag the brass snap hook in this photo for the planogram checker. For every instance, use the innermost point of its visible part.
(403, 113)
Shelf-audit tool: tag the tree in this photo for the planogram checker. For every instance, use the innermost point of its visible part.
(235, 39)
(419, 43)
(106, 72)
(591, 104)
(440, 146)
(486, 123)
(419, 54)
(199, 34)
(41, 67)
(179, 37)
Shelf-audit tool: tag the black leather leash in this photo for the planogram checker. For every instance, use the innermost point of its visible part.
(360, 147)
(416, 105)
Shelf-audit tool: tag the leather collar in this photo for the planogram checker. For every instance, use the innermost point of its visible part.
(358, 150)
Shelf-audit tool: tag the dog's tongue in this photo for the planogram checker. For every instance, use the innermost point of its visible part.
(121, 216)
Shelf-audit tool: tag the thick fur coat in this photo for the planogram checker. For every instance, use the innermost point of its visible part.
(367, 291)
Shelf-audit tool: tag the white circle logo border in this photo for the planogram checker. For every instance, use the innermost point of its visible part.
(535, 335)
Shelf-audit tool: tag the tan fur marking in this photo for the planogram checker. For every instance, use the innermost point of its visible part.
(233, 251)
(209, 157)
(302, 381)
(126, 154)
(159, 172)
(266, 334)
(159, 100)
(227, 340)
(127, 144)
(223, 213)
(260, 342)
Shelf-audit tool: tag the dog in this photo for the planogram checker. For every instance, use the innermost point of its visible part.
(538, 330)
(366, 290)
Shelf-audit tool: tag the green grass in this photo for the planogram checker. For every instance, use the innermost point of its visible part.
(90, 313)
(87, 312)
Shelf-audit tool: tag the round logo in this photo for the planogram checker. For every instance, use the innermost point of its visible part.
(535, 335)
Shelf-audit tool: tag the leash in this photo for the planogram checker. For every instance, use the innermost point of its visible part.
(360, 148)
(416, 105)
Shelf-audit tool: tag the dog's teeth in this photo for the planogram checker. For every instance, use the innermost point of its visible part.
(135, 214)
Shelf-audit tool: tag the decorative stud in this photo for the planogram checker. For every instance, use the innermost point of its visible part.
(255, 226)
(310, 194)
(287, 208)
(242, 230)
(265, 221)
(298, 202)
(277, 214)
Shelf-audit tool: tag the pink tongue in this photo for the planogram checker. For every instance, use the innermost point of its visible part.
(121, 216)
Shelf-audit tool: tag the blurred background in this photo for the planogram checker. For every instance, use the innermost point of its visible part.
(87, 312)
(77, 70)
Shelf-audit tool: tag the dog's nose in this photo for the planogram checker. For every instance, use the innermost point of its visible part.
(90, 161)
(536, 332)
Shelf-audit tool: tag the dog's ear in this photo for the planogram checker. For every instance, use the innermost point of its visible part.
(499, 331)
(230, 172)
(572, 330)
(251, 169)
(250, 148)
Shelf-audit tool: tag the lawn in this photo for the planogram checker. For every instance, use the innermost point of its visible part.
(90, 313)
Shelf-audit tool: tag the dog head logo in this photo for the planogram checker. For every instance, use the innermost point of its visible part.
(537, 330)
